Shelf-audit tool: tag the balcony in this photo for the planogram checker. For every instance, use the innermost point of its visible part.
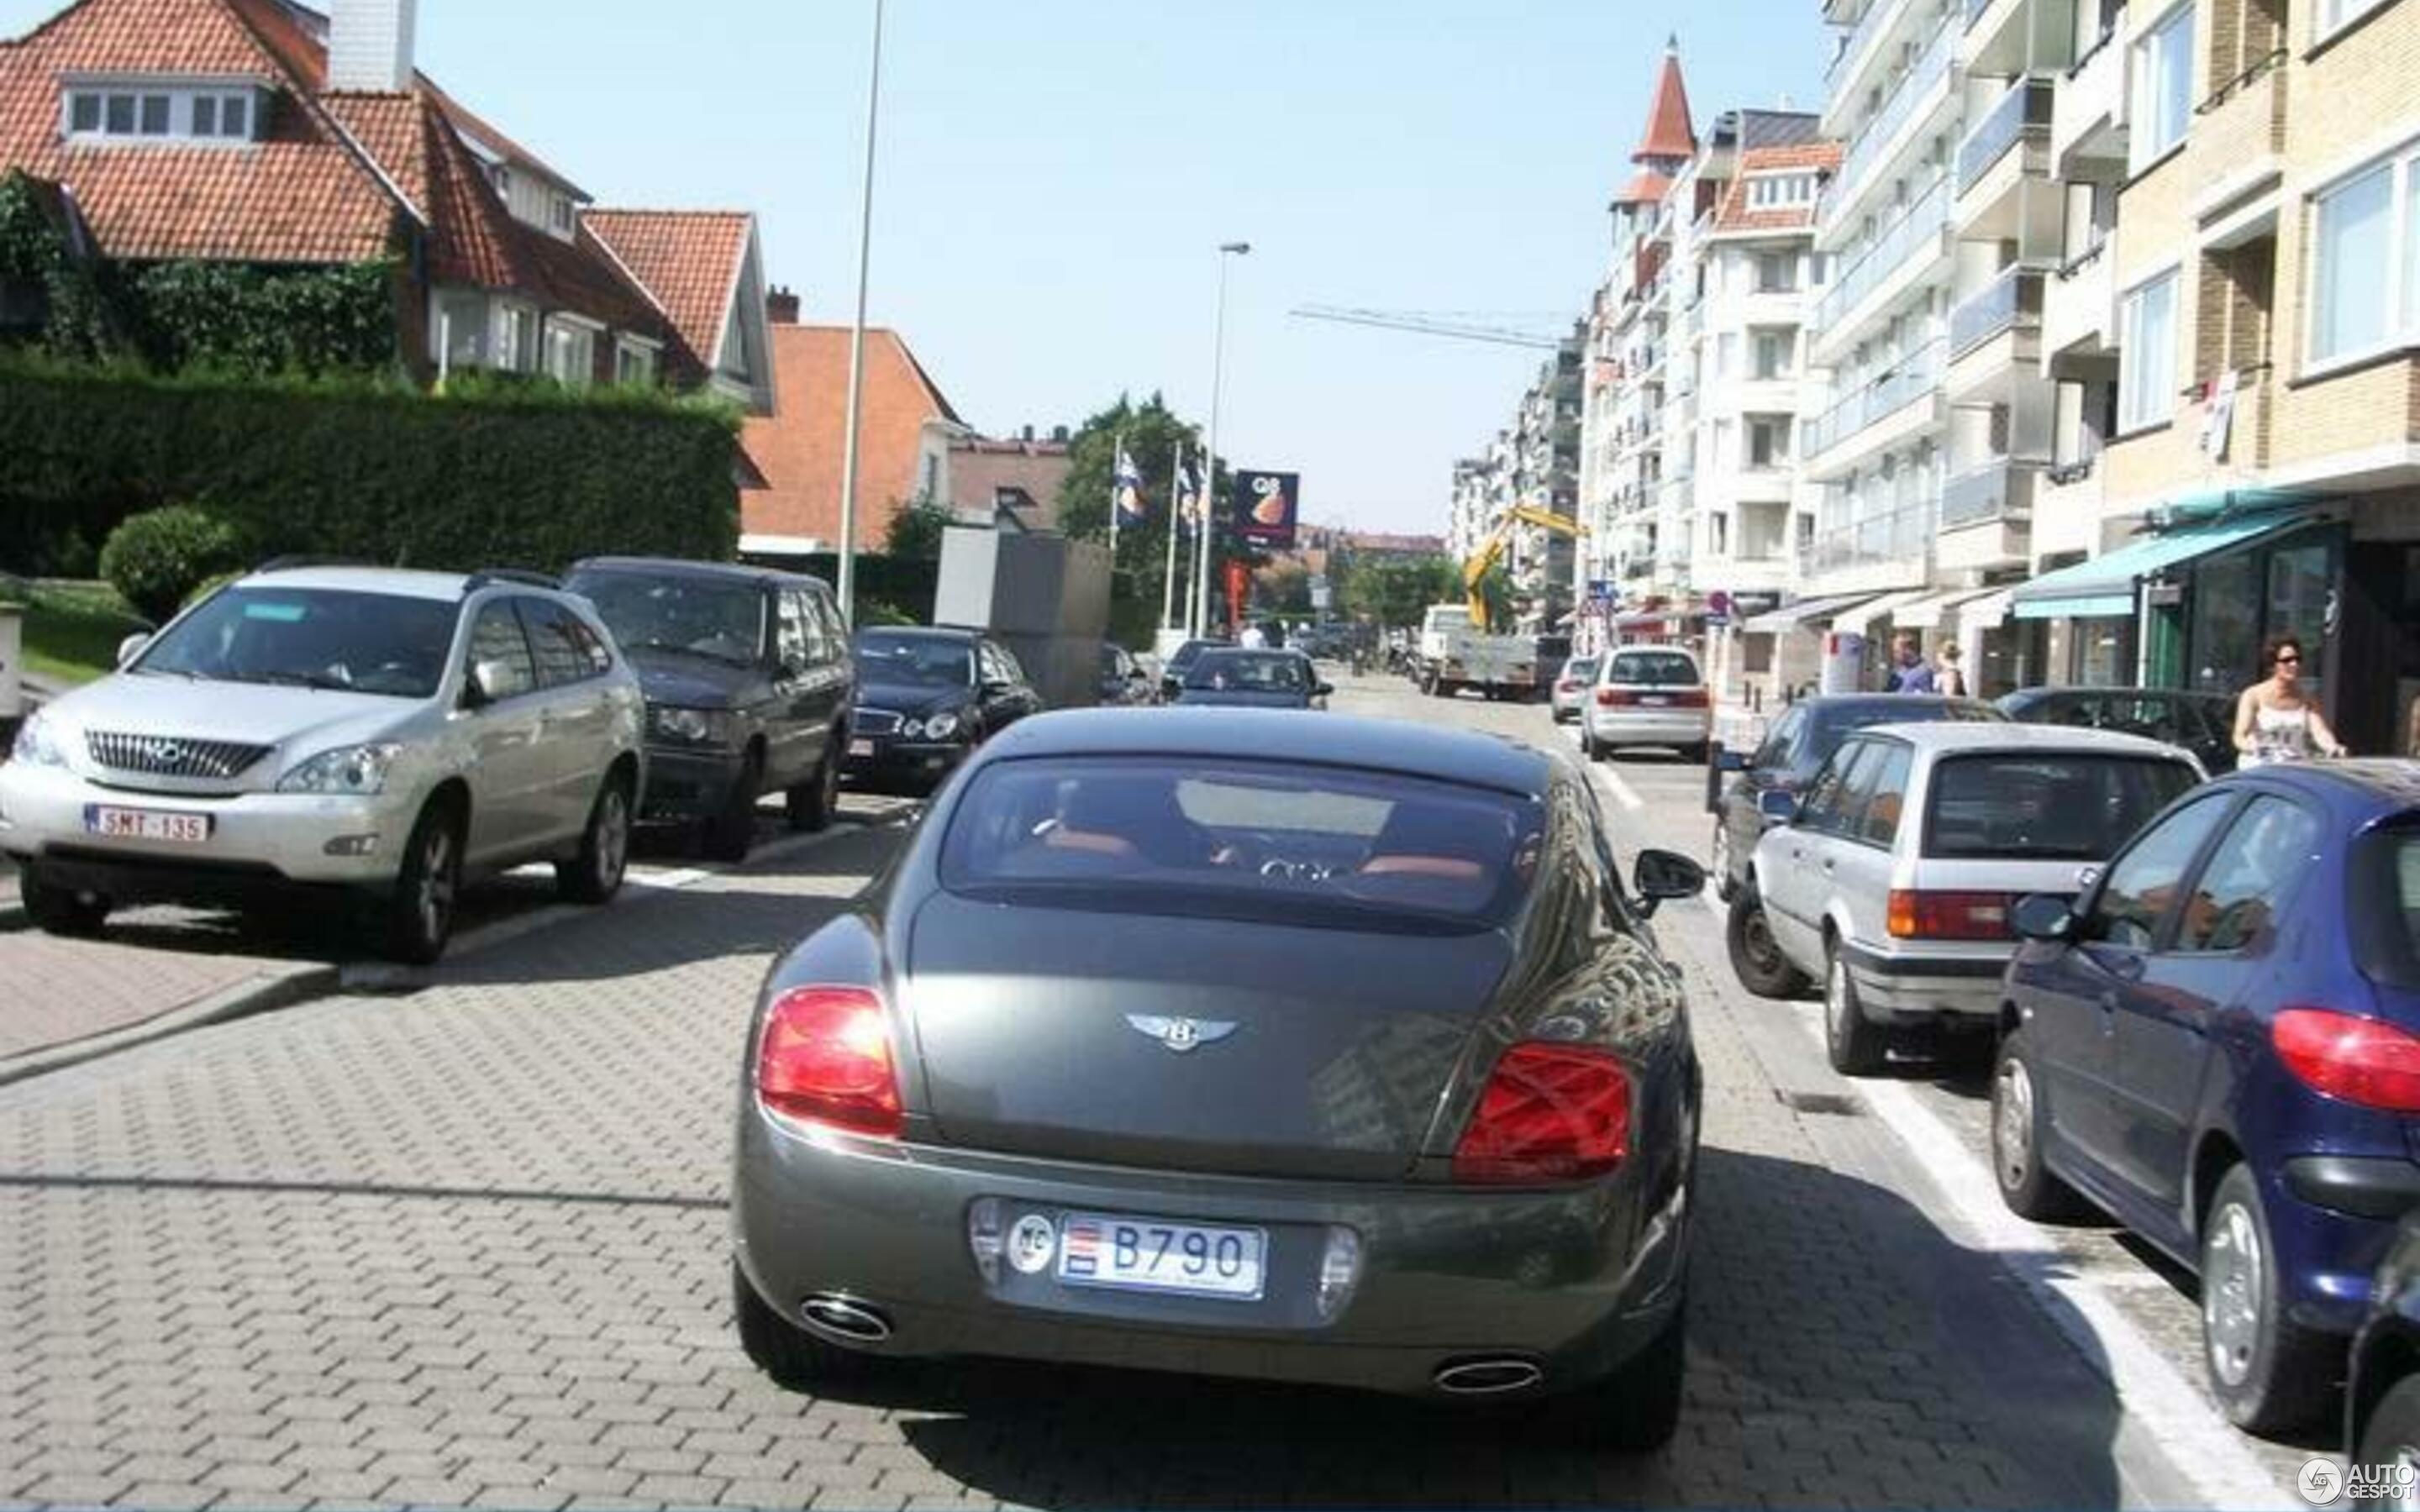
(1915, 94)
(1859, 52)
(1910, 391)
(1985, 517)
(2012, 302)
(2242, 123)
(2087, 121)
(2022, 119)
(1923, 229)
(2079, 305)
(1884, 543)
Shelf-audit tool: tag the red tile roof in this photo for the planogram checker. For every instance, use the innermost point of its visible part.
(1734, 214)
(1646, 187)
(798, 449)
(688, 260)
(1669, 133)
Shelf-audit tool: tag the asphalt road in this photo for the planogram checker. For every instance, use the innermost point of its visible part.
(461, 1242)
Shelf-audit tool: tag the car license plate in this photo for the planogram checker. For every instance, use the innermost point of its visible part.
(860, 747)
(147, 824)
(1154, 1254)
(1655, 701)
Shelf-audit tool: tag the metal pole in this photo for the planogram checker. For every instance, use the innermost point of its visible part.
(1175, 525)
(1117, 464)
(1210, 462)
(847, 584)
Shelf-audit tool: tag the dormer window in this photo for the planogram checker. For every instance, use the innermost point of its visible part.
(562, 212)
(181, 112)
(1780, 191)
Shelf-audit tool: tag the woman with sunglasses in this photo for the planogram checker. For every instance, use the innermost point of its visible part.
(2274, 721)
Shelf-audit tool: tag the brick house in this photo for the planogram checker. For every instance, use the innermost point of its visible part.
(263, 133)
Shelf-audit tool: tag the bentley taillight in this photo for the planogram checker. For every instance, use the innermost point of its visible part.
(825, 1058)
(1549, 1113)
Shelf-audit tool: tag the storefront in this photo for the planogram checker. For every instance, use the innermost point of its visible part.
(1796, 634)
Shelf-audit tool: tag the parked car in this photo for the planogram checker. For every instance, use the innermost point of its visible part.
(1254, 679)
(749, 687)
(1648, 696)
(924, 698)
(2218, 1043)
(2382, 1383)
(1892, 883)
(1571, 686)
(1306, 1050)
(362, 732)
(1796, 745)
(1124, 681)
(2203, 723)
(1180, 661)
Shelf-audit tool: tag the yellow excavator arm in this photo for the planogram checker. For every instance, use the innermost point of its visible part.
(1482, 561)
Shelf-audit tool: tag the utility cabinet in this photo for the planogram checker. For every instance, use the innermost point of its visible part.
(1043, 596)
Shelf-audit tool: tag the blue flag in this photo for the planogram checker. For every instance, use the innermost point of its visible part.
(1188, 496)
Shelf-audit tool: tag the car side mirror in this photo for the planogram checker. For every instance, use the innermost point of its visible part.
(133, 646)
(1780, 808)
(1323, 689)
(484, 685)
(2040, 916)
(1661, 876)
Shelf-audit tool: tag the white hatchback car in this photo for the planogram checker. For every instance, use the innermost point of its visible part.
(1891, 882)
(1648, 696)
(356, 730)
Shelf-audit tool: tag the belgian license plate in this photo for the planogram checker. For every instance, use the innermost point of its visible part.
(1655, 701)
(1154, 1254)
(147, 824)
(860, 747)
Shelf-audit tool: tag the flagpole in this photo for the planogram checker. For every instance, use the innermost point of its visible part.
(1176, 527)
(1117, 481)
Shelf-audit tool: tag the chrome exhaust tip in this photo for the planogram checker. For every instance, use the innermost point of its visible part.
(844, 1318)
(1496, 1377)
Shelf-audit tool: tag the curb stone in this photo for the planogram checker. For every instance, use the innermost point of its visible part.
(281, 987)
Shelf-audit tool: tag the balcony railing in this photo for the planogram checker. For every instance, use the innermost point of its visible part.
(1916, 375)
(1859, 39)
(1877, 133)
(1899, 532)
(1927, 217)
(1982, 494)
(2022, 114)
(1974, 11)
(2014, 301)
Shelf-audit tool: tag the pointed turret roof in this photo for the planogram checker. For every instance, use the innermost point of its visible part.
(1669, 134)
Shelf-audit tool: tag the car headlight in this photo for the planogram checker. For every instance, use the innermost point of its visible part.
(939, 727)
(696, 727)
(354, 771)
(38, 743)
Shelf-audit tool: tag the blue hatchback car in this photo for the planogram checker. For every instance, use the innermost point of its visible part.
(2219, 1044)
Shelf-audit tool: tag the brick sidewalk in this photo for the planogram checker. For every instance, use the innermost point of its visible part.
(56, 991)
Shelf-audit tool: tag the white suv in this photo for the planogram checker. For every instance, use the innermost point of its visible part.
(378, 732)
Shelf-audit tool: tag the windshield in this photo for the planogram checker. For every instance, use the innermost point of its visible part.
(917, 660)
(2061, 807)
(1241, 838)
(689, 616)
(1243, 672)
(1653, 669)
(358, 642)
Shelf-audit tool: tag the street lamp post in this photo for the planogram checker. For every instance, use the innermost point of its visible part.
(1200, 625)
(846, 587)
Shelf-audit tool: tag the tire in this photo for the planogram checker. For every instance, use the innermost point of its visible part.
(733, 829)
(1637, 1409)
(2269, 1375)
(2391, 1435)
(1719, 853)
(810, 805)
(57, 910)
(595, 876)
(1856, 1045)
(786, 1353)
(419, 915)
(1697, 755)
(1591, 748)
(2020, 1118)
(1756, 960)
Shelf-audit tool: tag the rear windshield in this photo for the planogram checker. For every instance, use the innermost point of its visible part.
(1244, 673)
(358, 642)
(2047, 807)
(1653, 669)
(2386, 904)
(1261, 841)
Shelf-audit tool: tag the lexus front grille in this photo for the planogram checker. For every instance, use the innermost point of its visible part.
(169, 756)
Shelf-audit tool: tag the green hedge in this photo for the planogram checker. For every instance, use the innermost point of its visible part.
(488, 474)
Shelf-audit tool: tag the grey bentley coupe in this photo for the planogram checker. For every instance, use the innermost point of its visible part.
(1312, 1050)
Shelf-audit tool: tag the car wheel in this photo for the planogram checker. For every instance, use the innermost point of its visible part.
(2269, 1374)
(57, 910)
(787, 1354)
(595, 876)
(2391, 1437)
(810, 805)
(1725, 885)
(1756, 960)
(1695, 755)
(733, 830)
(1857, 1044)
(2019, 1117)
(1637, 1409)
(420, 914)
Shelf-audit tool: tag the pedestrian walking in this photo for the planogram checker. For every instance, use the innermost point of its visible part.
(1910, 671)
(2274, 721)
(1948, 679)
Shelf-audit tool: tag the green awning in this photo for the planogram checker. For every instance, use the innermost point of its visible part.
(2105, 586)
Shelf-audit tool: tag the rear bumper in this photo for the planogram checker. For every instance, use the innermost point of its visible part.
(1649, 726)
(1568, 1280)
(1924, 989)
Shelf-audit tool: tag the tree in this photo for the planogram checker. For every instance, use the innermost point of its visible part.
(1283, 588)
(1150, 433)
(1396, 591)
(916, 531)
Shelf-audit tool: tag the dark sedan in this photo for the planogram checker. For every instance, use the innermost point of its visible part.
(2203, 723)
(2218, 1045)
(1180, 661)
(1254, 680)
(924, 698)
(1308, 1050)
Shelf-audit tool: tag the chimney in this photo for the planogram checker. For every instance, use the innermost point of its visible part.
(369, 45)
(782, 306)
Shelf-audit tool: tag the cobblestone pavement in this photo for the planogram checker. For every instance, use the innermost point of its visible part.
(465, 1246)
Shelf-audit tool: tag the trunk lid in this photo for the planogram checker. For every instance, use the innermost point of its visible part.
(1341, 1048)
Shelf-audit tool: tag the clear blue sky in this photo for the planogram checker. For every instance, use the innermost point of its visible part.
(1055, 175)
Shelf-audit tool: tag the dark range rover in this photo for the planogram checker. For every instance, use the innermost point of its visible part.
(748, 686)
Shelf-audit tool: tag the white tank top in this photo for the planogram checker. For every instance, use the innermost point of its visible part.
(2279, 735)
